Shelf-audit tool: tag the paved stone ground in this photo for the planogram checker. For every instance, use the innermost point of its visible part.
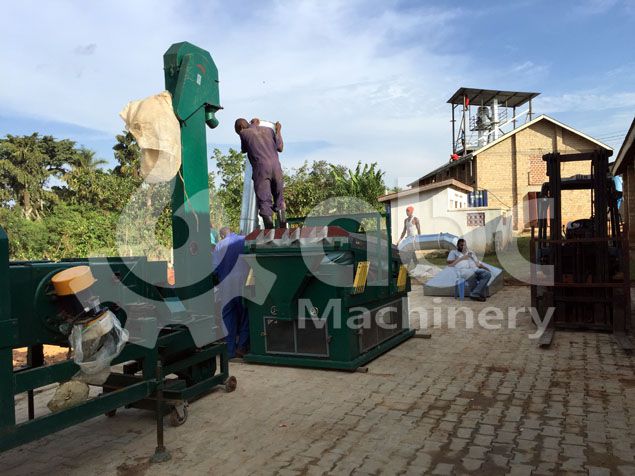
(464, 401)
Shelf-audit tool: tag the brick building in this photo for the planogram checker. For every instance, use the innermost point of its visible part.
(624, 165)
(510, 168)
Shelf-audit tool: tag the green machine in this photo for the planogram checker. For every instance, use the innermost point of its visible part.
(173, 353)
(331, 293)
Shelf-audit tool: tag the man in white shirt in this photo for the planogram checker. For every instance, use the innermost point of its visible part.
(469, 267)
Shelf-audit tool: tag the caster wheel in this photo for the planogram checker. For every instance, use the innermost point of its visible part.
(230, 384)
(178, 414)
(111, 413)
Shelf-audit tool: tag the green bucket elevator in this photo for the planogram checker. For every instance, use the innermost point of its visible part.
(172, 329)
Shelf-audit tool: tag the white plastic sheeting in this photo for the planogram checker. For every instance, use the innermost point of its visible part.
(436, 241)
(444, 282)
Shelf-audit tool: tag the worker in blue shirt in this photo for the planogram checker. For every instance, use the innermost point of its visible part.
(617, 180)
(230, 271)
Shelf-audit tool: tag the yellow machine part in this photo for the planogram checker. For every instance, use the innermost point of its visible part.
(402, 278)
(361, 274)
(73, 280)
(251, 279)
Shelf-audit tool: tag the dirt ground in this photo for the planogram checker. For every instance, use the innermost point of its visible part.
(52, 354)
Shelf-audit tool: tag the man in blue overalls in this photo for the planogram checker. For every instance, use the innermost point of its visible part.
(230, 271)
(262, 145)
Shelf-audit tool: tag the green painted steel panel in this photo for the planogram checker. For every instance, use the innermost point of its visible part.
(276, 334)
(31, 317)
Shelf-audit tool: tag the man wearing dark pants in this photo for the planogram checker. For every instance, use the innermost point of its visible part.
(469, 267)
(262, 145)
(230, 270)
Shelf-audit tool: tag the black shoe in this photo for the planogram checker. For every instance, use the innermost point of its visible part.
(478, 298)
(268, 222)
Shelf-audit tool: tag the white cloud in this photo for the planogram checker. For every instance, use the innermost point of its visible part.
(586, 101)
(362, 77)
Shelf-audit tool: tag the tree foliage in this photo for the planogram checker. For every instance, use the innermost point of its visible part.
(231, 172)
(365, 183)
(27, 163)
(128, 156)
(58, 201)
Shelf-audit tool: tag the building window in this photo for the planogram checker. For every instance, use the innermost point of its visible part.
(476, 219)
(456, 200)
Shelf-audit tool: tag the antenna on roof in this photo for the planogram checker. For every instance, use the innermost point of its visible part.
(484, 115)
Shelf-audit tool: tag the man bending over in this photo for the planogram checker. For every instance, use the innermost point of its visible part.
(262, 146)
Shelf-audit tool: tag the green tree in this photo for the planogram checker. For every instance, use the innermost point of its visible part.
(85, 160)
(231, 170)
(365, 183)
(307, 186)
(96, 189)
(128, 156)
(26, 165)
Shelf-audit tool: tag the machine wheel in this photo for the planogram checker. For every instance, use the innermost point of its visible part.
(111, 413)
(178, 414)
(230, 384)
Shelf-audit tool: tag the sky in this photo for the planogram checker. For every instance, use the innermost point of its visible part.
(349, 80)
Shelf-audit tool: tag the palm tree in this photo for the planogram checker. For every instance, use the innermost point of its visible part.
(86, 161)
(365, 183)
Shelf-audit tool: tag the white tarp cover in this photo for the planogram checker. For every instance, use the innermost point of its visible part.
(156, 128)
(443, 283)
(435, 241)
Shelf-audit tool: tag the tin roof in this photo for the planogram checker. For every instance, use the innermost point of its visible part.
(485, 97)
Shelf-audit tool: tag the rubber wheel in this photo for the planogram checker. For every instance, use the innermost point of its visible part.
(177, 418)
(230, 384)
(111, 413)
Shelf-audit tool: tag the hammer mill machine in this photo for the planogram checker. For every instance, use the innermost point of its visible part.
(173, 353)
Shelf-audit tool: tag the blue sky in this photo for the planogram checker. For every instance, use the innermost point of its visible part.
(349, 80)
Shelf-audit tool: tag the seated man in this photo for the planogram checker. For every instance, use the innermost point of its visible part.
(468, 267)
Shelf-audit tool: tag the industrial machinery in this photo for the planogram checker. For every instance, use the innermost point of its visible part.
(584, 268)
(173, 354)
(338, 292)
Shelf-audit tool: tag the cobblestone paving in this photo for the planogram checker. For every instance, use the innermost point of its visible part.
(465, 401)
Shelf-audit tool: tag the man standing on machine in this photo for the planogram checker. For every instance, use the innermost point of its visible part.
(262, 145)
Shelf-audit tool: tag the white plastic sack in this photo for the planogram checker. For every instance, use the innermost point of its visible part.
(95, 346)
(156, 128)
(68, 395)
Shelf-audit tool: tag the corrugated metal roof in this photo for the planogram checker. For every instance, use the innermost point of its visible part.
(627, 149)
(485, 97)
(426, 188)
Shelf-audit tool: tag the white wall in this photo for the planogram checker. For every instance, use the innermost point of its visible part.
(435, 216)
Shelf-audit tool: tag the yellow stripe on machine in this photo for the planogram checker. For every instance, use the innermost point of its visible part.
(359, 283)
(251, 279)
(402, 278)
